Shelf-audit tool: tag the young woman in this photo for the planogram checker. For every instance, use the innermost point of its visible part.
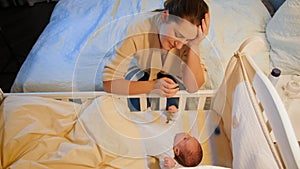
(161, 43)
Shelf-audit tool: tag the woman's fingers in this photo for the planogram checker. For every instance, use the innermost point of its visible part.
(207, 19)
(169, 92)
(170, 86)
(169, 83)
(167, 87)
(205, 23)
(203, 29)
(168, 80)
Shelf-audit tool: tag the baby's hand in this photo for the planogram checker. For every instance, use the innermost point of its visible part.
(169, 162)
(172, 109)
(172, 113)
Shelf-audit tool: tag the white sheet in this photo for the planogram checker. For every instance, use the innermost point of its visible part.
(249, 145)
(283, 34)
(72, 50)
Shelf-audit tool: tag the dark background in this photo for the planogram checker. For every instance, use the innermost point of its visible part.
(20, 26)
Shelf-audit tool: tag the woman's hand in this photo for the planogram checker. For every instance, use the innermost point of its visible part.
(165, 87)
(202, 31)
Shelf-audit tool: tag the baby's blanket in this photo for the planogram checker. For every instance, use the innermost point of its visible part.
(40, 132)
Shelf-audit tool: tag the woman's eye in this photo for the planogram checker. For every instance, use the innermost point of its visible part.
(178, 35)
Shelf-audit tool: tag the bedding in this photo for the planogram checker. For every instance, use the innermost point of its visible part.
(276, 3)
(40, 132)
(72, 50)
(283, 34)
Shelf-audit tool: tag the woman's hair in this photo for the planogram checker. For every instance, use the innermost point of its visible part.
(192, 10)
(190, 158)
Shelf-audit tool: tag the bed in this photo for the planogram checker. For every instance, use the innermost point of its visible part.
(97, 130)
(75, 42)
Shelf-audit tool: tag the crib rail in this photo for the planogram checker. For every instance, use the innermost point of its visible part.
(201, 98)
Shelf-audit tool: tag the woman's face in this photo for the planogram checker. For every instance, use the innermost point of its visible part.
(176, 34)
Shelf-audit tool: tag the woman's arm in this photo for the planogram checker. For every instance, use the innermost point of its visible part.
(127, 87)
(163, 87)
(194, 72)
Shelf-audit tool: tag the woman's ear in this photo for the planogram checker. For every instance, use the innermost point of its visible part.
(176, 150)
(164, 15)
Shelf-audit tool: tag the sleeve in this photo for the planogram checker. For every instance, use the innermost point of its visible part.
(161, 161)
(173, 116)
(118, 65)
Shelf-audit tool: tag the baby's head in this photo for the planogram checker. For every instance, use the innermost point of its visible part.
(187, 150)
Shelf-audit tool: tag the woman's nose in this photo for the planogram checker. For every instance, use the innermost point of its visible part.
(178, 44)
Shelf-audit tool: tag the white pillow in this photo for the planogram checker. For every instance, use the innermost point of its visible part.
(283, 34)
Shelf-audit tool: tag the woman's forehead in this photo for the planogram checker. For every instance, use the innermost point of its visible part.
(187, 29)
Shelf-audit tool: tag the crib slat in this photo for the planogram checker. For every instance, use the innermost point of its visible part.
(162, 103)
(143, 103)
(201, 102)
(182, 103)
(123, 99)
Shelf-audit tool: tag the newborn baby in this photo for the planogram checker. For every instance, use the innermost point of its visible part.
(187, 151)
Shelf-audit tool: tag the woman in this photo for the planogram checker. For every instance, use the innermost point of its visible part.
(161, 43)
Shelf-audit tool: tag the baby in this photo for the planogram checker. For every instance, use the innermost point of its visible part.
(187, 151)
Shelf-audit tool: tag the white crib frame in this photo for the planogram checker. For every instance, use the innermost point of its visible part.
(80, 97)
